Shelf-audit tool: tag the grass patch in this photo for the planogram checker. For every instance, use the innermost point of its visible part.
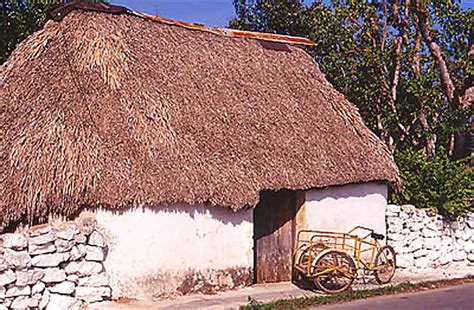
(303, 302)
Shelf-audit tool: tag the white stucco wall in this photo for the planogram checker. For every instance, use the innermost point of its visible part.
(340, 208)
(155, 251)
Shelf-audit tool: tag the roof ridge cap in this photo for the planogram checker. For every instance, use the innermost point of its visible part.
(58, 13)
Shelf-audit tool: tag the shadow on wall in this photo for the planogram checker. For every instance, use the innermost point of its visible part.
(350, 191)
(221, 214)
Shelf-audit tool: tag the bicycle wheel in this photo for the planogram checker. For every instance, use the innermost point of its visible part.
(385, 264)
(302, 259)
(336, 271)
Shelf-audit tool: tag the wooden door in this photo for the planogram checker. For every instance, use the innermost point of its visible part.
(274, 236)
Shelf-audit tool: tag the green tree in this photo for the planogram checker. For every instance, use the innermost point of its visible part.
(20, 18)
(404, 63)
(440, 183)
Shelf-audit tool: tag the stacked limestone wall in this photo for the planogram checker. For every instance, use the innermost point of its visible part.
(56, 266)
(423, 239)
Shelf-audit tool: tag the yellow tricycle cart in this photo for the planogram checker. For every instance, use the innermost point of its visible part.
(332, 259)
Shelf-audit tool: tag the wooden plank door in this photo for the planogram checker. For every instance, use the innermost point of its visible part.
(274, 236)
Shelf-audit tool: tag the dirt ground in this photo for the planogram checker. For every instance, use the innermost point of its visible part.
(270, 292)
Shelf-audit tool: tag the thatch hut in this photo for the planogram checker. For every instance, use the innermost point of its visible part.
(187, 143)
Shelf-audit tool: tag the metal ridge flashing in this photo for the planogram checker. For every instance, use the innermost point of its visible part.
(231, 33)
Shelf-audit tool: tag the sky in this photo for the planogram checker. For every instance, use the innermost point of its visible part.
(213, 13)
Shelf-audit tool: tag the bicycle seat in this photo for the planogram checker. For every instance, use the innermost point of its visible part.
(377, 236)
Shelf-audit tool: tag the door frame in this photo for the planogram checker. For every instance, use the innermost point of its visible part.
(296, 201)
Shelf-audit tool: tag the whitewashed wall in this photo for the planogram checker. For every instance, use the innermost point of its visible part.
(178, 249)
(340, 208)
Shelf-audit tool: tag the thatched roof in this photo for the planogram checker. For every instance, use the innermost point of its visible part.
(118, 111)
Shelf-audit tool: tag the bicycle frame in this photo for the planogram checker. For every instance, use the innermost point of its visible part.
(315, 242)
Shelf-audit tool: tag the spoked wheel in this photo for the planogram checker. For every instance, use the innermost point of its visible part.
(385, 264)
(336, 271)
(302, 260)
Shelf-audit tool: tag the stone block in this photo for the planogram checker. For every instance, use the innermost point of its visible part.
(94, 253)
(45, 300)
(41, 249)
(3, 264)
(64, 245)
(84, 268)
(7, 302)
(25, 302)
(397, 245)
(93, 294)
(80, 238)
(78, 252)
(403, 250)
(73, 278)
(431, 226)
(39, 230)
(415, 226)
(35, 301)
(408, 209)
(3, 290)
(422, 262)
(14, 241)
(67, 231)
(433, 256)
(469, 247)
(421, 212)
(28, 277)
(54, 275)
(416, 245)
(445, 258)
(395, 228)
(7, 277)
(38, 288)
(459, 255)
(428, 233)
(420, 253)
(393, 208)
(403, 216)
(405, 231)
(396, 237)
(17, 260)
(58, 301)
(463, 235)
(21, 302)
(432, 243)
(447, 241)
(413, 236)
(63, 288)
(86, 225)
(95, 281)
(394, 221)
(97, 239)
(42, 239)
(405, 260)
(15, 291)
(49, 260)
(470, 257)
(470, 223)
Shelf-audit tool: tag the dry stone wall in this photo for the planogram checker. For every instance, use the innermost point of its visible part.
(57, 266)
(424, 239)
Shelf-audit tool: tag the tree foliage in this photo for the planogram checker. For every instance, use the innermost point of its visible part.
(20, 18)
(440, 183)
(404, 63)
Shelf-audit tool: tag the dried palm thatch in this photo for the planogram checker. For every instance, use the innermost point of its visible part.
(119, 111)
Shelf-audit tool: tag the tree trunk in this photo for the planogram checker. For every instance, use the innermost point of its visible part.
(425, 29)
